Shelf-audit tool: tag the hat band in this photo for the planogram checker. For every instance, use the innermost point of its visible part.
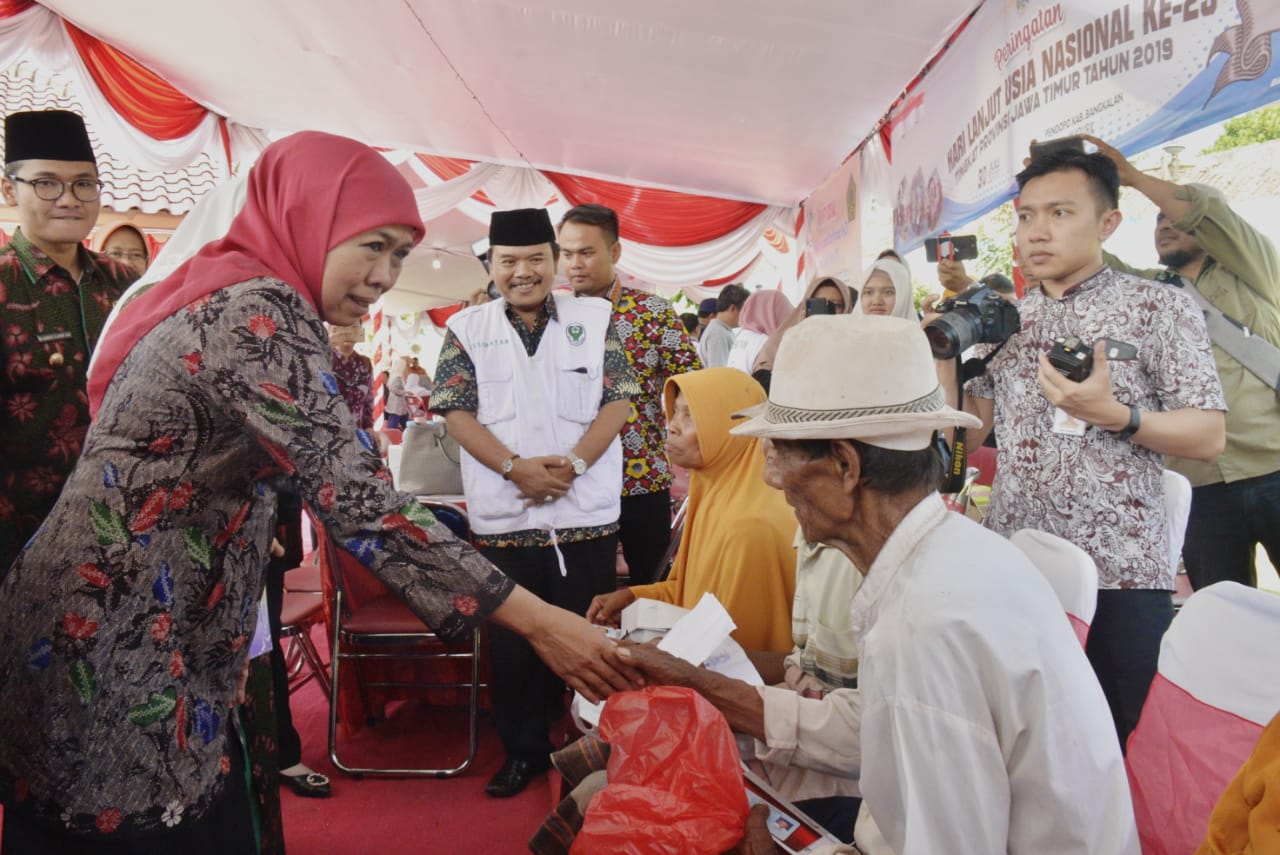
(932, 402)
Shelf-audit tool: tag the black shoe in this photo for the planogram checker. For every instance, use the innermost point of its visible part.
(512, 778)
(312, 785)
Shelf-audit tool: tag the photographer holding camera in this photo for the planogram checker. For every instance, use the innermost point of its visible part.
(1082, 460)
(1215, 256)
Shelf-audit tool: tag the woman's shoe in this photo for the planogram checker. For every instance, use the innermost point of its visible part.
(310, 785)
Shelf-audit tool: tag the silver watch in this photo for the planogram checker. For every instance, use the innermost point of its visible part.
(507, 466)
(579, 465)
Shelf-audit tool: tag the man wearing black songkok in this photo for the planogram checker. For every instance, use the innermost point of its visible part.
(535, 387)
(54, 298)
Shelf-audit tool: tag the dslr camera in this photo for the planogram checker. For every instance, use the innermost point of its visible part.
(978, 316)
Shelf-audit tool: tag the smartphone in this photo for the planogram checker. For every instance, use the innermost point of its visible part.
(952, 247)
(1040, 149)
(819, 306)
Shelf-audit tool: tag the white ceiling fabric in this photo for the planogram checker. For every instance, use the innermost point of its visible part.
(666, 268)
(743, 99)
(37, 36)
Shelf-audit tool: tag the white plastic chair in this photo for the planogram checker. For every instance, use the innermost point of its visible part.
(1217, 687)
(1069, 570)
(1177, 509)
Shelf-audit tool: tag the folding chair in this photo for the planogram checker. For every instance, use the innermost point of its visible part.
(1070, 572)
(381, 628)
(677, 534)
(1217, 687)
(300, 612)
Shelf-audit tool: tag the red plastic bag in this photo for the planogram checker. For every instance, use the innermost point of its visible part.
(675, 778)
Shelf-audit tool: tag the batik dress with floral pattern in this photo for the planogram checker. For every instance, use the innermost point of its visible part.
(123, 625)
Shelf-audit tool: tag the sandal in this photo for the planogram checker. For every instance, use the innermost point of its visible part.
(310, 785)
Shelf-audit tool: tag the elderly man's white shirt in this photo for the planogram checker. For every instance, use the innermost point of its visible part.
(978, 724)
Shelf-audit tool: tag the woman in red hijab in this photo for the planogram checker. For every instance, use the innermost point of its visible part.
(123, 623)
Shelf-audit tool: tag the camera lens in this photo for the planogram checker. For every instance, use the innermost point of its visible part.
(942, 340)
(945, 339)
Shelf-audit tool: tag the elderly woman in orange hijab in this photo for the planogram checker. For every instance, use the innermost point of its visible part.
(738, 530)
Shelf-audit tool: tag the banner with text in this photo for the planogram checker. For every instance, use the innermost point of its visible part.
(835, 228)
(1134, 73)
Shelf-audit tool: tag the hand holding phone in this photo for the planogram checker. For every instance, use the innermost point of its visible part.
(951, 247)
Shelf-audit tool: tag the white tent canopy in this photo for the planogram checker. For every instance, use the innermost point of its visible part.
(738, 100)
(744, 99)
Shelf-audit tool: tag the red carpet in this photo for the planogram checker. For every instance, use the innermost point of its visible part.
(393, 816)
(389, 816)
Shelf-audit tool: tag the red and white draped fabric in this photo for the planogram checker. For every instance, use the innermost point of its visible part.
(135, 113)
(381, 355)
(670, 240)
(1218, 685)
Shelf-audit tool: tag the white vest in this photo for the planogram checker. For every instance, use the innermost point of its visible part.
(537, 406)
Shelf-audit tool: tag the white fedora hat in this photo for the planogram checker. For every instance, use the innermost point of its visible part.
(855, 376)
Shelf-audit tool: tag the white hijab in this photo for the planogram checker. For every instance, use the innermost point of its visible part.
(903, 304)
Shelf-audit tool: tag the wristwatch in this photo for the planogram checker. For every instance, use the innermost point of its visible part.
(1135, 422)
(507, 466)
(579, 465)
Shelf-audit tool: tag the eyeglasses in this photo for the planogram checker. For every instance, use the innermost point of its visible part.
(127, 254)
(51, 189)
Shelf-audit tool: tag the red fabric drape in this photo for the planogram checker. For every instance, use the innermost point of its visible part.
(442, 314)
(143, 98)
(732, 277)
(658, 217)
(451, 167)
(9, 8)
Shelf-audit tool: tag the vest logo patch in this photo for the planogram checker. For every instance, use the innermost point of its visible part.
(576, 333)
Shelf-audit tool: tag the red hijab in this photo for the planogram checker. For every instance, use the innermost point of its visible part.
(307, 193)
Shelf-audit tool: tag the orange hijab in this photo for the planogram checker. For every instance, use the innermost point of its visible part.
(738, 532)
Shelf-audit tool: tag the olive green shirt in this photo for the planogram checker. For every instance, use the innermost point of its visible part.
(1241, 276)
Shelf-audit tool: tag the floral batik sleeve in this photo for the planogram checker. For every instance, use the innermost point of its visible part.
(272, 371)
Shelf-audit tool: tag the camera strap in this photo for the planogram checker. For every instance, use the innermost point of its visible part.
(1260, 356)
(955, 459)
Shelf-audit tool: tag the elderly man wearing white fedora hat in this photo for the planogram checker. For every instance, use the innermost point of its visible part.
(977, 722)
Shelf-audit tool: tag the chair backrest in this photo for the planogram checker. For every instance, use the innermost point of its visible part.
(1218, 685)
(1177, 508)
(344, 573)
(1070, 572)
(984, 460)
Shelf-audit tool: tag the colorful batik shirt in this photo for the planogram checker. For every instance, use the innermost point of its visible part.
(49, 325)
(355, 379)
(657, 347)
(124, 624)
(456, 390)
